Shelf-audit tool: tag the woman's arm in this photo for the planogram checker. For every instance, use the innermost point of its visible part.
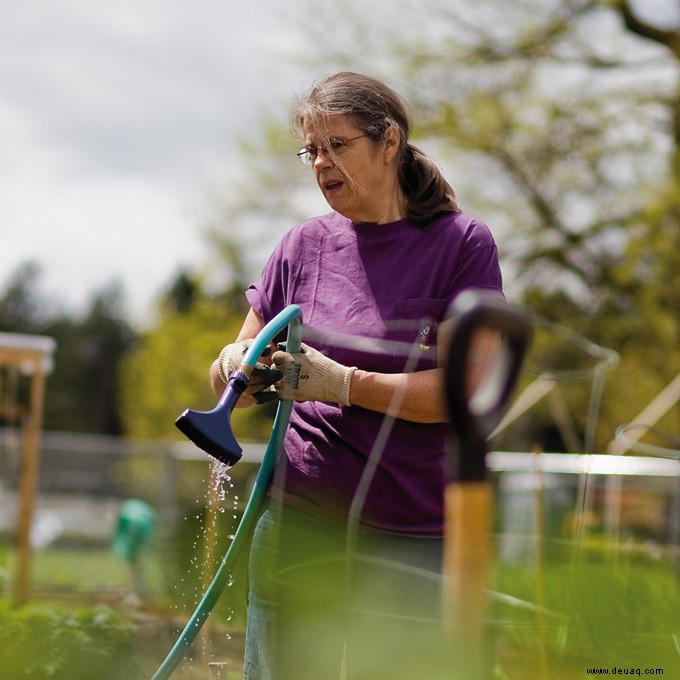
(252, 325)
(419, 396)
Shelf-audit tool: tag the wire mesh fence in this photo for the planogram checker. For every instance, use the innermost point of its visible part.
(87, 535)
(85, 481)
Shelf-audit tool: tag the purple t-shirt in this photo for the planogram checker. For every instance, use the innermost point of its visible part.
(372, 296)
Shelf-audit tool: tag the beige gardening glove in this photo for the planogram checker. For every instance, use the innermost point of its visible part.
(260, 389)
(308, 375)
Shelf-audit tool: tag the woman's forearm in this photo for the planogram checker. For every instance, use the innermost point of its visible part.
(418, 397)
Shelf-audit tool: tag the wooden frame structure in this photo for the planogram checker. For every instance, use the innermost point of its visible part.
(32, 356)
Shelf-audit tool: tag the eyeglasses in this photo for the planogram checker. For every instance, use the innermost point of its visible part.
(308, 154)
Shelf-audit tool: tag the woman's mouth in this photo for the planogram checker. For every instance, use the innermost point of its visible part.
(332, 185)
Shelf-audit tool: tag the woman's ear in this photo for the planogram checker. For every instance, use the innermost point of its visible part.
(391, 139)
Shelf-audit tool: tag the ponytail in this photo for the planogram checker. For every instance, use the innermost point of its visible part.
(427, 192)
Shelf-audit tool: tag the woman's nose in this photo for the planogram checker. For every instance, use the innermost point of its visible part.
(322, 159)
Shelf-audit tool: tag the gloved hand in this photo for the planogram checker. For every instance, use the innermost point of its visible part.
(308, 375)
(260, 389)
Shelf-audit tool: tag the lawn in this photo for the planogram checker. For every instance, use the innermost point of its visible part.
(608, 608)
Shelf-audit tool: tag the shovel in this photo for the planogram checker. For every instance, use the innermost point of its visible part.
(468, 503)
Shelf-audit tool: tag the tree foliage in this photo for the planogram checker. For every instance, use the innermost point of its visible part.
(168, 370)
(20, 308)
(557, 122)
(82, 390)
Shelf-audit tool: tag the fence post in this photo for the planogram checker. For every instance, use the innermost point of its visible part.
(33, 355)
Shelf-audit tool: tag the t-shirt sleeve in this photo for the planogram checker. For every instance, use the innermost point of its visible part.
(478, 265)
(269, 294)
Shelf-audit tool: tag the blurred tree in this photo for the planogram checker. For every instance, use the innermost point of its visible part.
(21, 309)
(557, 121)
(82, 389)
(82, 392)
(182, 293)
(552, 118)
(573, 107)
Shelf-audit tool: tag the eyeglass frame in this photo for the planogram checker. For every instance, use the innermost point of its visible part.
(309, 154)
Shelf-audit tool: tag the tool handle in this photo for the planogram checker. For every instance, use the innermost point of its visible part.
(474, 417)
(468, 502)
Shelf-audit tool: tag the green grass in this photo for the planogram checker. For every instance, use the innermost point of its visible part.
(85, 571)
(604, 609)
(63, 643)
(48, 641)
(612, 607)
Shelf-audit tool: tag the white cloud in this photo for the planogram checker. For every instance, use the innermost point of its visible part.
(112, 118)
(88, 232)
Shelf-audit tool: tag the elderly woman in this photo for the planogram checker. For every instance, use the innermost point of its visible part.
(349, 546)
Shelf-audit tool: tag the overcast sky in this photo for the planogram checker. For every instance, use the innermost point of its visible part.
(114, 117)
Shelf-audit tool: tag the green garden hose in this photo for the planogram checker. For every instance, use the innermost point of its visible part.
(291, 317)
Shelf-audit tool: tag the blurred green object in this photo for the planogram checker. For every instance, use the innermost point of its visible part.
(134, 530)
(63, 642)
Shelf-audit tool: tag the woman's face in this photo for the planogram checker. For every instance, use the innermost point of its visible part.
(360, 178)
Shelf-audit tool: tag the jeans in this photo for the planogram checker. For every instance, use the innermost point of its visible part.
(316, 606)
